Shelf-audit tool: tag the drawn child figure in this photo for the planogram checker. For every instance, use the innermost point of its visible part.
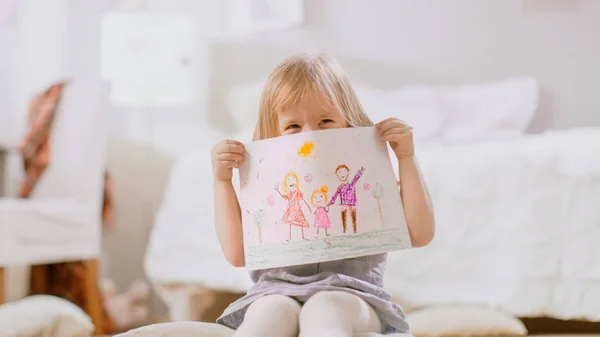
(319, 199)
(339, 298)
(347, 193)
(293, 214)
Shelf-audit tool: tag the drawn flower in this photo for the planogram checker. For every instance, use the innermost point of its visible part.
(378, 194)
(366, 186)
(259, 218)
(378, 191)
(308, 177)
(271, 200)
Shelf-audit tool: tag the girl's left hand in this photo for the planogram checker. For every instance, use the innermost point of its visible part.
(399, 135)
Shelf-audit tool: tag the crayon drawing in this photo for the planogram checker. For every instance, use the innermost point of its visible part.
(293, 216)
(347, 193)
(319, 200)
(306, 208)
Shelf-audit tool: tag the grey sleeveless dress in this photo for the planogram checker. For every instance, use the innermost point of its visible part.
(361, 276)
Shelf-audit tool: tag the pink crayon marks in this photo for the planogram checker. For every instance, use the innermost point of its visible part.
(271, 200)
(367, 187)
(308, 177)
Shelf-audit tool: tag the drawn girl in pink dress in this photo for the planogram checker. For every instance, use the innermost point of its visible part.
(291, 192)
(319, 199)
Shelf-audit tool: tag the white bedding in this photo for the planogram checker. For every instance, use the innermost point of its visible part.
(518, 225)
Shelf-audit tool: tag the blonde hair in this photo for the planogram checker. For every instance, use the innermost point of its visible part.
(286, 189)
(302, 75)
(322, 190)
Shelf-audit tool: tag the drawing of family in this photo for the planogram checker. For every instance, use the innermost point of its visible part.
(294, 216)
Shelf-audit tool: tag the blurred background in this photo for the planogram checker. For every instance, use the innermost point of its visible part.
(109, 108)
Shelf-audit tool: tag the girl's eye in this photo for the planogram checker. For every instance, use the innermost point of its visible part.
(325, 121)
(293, 126)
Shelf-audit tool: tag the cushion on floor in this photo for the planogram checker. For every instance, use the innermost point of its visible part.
(463, 321)
(46, 316)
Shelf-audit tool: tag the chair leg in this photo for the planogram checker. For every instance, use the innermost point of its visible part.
(2, 290)
(93, 299)
(38, 280)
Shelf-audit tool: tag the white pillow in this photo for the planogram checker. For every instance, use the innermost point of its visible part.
(418, 106)
(489, 111)
(463, 321)
(43, 315)
(180, 329)
(457, 114)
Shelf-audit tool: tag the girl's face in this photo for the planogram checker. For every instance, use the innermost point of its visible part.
(311, 114)
(319, 199)
(291, 182)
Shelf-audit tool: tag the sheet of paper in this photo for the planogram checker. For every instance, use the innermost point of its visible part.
(319, 196)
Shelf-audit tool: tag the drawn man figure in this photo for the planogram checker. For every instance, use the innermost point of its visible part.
(347, 193)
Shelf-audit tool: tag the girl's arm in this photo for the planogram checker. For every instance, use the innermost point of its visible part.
(417, 203)
(306, 203)
(228, 222)
(278, 191)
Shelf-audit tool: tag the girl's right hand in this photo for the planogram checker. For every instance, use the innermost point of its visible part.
(226, 155)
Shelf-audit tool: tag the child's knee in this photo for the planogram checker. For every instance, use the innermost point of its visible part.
(274, 306)
(329, 303)
(340, 310)
(273, 316)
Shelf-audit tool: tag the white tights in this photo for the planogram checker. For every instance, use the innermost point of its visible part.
(325, 314)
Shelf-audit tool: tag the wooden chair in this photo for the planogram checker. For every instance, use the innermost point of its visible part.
(61, 221)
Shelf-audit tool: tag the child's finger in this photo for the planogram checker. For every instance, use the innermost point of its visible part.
(385, 121)
(234, 147)
(231, 156)
(390, 124)
(395, 137)
(234, 142)
(230, 163)
(400, 130)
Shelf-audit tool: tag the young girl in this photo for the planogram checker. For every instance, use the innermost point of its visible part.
(319, 199)
(331, 299)
(293, 215)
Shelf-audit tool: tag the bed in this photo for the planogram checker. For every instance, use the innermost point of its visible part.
(517, 213)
